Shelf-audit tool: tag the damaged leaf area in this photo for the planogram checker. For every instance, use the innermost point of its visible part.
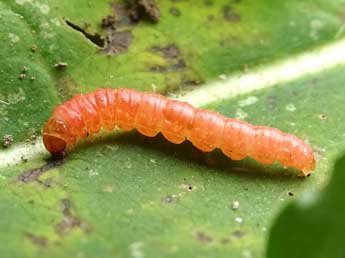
(127, 195)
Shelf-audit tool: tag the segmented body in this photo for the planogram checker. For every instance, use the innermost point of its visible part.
(151, 113)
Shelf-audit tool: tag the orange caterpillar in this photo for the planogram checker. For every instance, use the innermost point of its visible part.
(151, 113)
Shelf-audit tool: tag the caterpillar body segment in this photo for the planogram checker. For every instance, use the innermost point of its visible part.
(150, 114)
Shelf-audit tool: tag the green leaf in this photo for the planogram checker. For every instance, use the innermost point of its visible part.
(127, 195)
(317, 218)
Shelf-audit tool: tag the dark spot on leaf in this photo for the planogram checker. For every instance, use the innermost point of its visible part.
(34, 48)
(272, 103)
(191, 82)
(180, 64)
(7, 140)
(118, 25)
(33, 174)
(108, 22)
(187, 187)
(225, 241)
(122, 17)
(172, 55)
(202, 237)
(94, 38)
(175, 66)
(322, 116)
(118, 43)
(175, 11)
(48, 182)
(208, 2)
(37, 240)
(146, 9)
(158, 68)
(169, 51)
(60, 65)
(70, 221)
(33, 139)
(290, 194)
(170, 199)
(238, 233)
(230, 15)
(25, 69)
(22, 76)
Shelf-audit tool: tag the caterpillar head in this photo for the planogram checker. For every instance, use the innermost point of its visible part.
(56, 136)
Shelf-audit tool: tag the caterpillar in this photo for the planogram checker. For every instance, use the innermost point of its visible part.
(150, 114)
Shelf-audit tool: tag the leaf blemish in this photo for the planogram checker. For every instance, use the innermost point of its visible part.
(172, 55)
(169, 51)
(33, 174)
(230, 15)
(7, 140)
(40, 241)
(238, 233)
(169, 199)
(70, 221)
(186, 187)
(203, 237)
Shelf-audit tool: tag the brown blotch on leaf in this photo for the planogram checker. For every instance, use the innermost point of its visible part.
(172, 54)
(117, 26)
(238, 233)
(202, 237)
(179, 65)
(146, 9)
(70, 221)
(7, 140)
(117, 43)
(175, 11)
(169, 51)
(158, 68)
(33, 174)
(108, 22)
(230, 15)
(37, 240)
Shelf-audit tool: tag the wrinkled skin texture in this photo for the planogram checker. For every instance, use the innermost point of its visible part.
(151, 113)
